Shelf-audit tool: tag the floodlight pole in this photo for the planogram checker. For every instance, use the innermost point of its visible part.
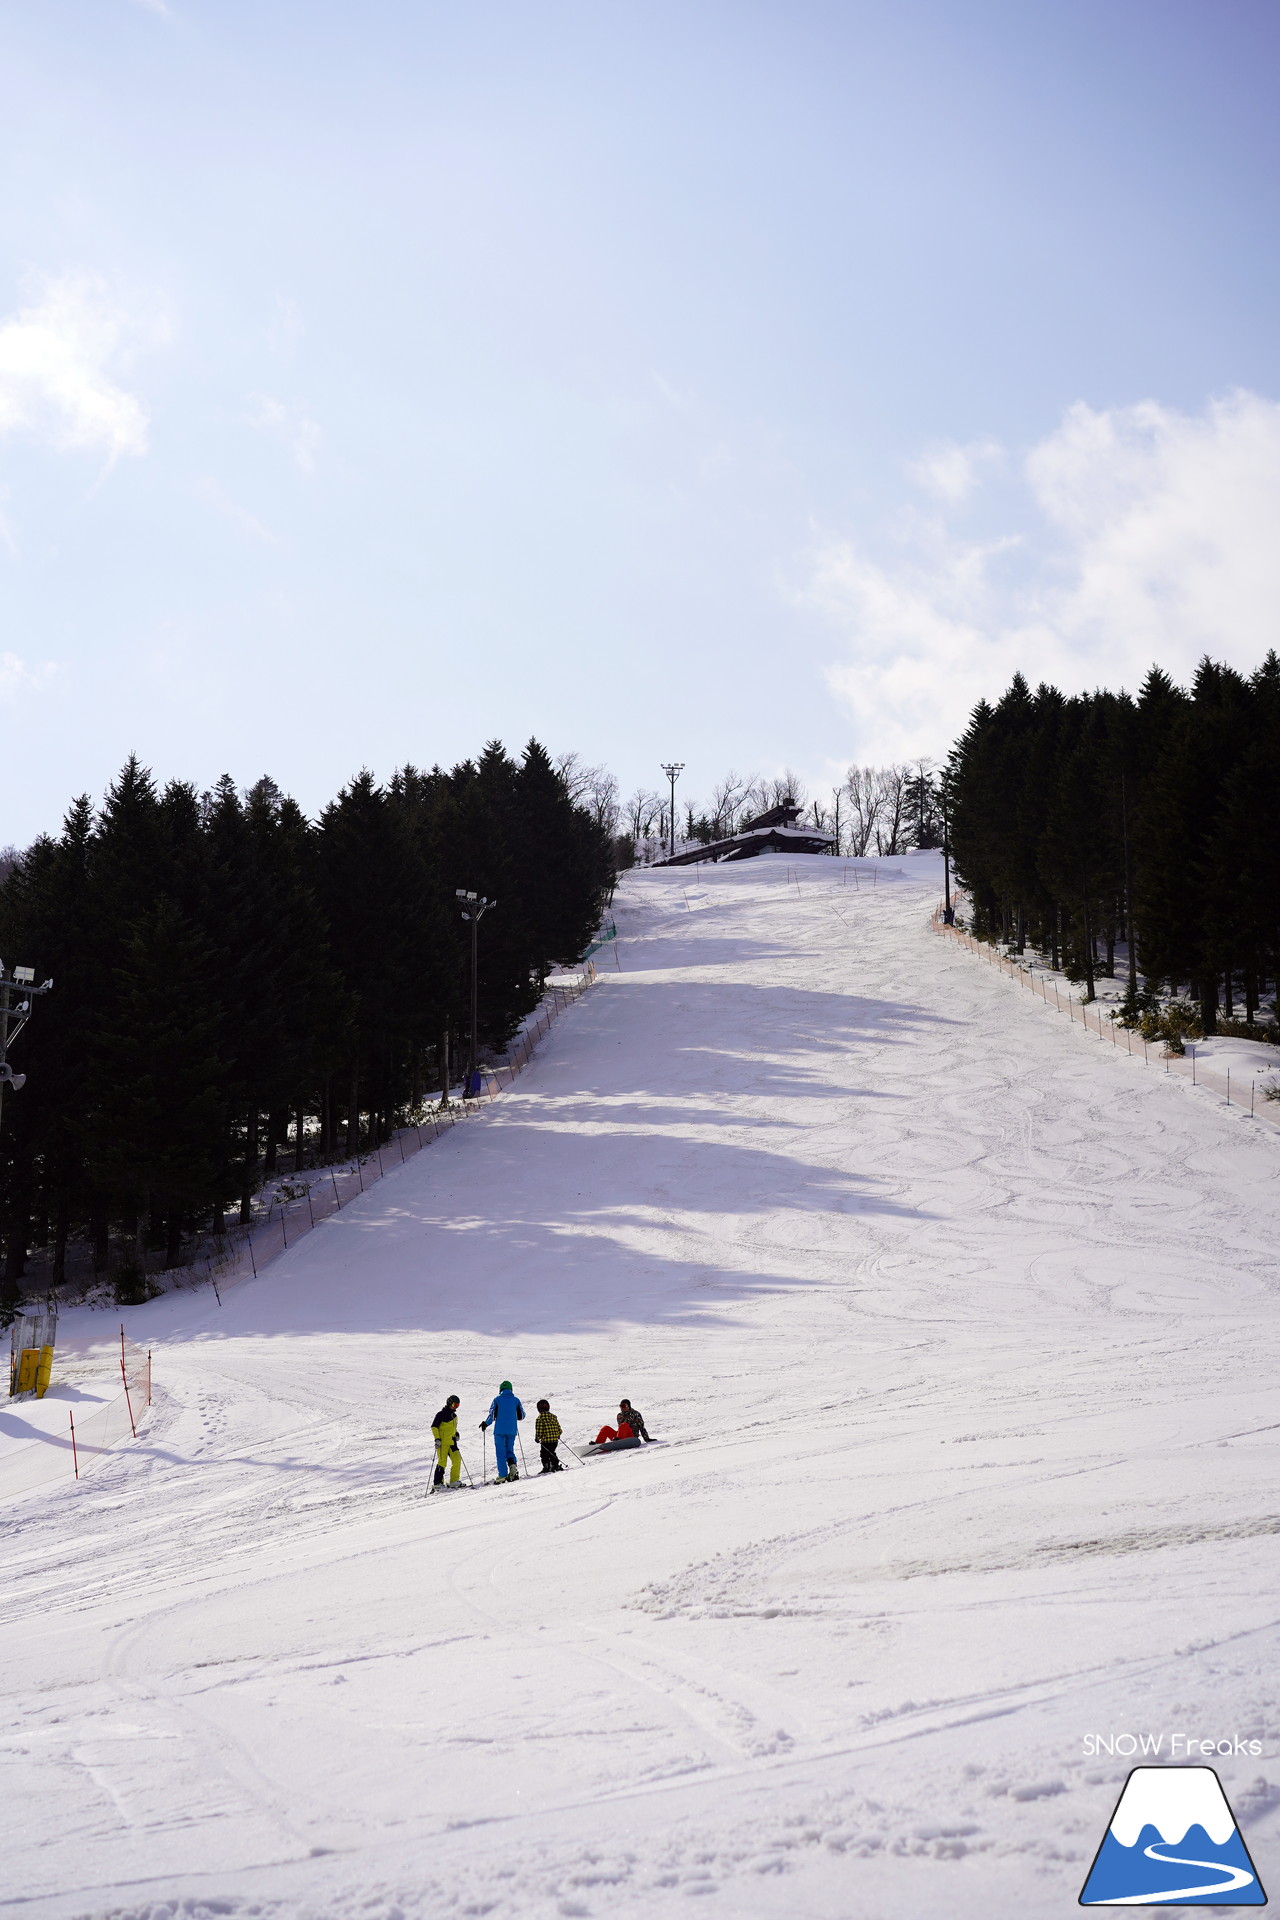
(21, 983)
(948, 911)
(474, 908)
(673, 769)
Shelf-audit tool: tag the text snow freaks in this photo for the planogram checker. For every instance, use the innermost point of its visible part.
(1166, 1746)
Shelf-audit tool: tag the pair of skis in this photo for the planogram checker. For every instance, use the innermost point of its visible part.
(593, 1450)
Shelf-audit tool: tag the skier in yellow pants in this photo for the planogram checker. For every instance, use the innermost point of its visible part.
(444, 1431)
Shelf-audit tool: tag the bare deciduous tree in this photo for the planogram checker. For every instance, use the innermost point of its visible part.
(594, 788)
(783, 789)
(790, 789)
(866, 803)
(891, 832)
(880, 809)
(727, 802)
(641, 813)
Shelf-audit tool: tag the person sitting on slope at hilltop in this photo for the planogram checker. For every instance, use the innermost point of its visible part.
(502, 1417)
(546, 1432)
(444, 1431)
(630, 1426)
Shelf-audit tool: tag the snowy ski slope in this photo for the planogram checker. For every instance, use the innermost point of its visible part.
(962, 1332)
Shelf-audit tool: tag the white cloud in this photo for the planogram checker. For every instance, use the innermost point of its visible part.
(17, 677)
(298, 430)
(1149, 536)
(924, 641)
(951, 471)
(8, 538)
(54, 385)
(1170, 520)
(215, 495)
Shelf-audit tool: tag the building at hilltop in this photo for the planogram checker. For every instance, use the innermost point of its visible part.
(772, 832)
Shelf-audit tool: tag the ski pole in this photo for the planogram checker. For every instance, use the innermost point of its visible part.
(577, 1456)
(484, 1455)
(520, 1442)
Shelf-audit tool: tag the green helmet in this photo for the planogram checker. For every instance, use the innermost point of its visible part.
(505, 1387)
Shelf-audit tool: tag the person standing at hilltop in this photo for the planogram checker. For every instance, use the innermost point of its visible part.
(503, 1416)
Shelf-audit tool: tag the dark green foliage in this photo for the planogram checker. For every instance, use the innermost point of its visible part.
(227, 974)
(1149, 827)
(923, 809)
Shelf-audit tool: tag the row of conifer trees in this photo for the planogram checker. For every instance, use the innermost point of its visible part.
(1146, 828)
(232, 981)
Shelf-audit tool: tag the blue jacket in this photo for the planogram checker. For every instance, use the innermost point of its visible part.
(504, 1413)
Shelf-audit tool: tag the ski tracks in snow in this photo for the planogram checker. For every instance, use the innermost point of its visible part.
(961, 1335)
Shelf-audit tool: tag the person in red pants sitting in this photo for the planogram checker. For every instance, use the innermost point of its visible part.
(630, 1426)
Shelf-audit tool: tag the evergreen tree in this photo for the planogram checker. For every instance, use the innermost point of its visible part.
(1104, 821)
(224, 971)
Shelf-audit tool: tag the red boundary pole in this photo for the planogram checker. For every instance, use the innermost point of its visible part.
(125, 1377)
(75, 1457)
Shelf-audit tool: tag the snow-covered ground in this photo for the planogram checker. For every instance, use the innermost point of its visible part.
(26, 1419)
(961, 1333)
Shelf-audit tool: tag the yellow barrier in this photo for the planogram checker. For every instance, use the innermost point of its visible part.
(44, 1368)
(88, 1439)
(28, 1366)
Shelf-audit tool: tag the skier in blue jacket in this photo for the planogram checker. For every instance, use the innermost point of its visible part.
(502, 1417)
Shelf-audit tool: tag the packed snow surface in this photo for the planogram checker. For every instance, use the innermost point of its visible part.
(960, 1332)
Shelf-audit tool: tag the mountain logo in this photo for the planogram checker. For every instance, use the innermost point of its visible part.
(1172, 1842)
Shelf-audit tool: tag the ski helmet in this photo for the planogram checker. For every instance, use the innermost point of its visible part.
(505, 1387)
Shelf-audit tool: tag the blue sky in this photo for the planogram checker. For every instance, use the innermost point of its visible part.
(752, 384)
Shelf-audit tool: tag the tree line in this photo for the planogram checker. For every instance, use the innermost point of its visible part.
(1145, 828)
(232, 980)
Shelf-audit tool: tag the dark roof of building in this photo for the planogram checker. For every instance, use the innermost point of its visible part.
(755, 839)
(784, 816)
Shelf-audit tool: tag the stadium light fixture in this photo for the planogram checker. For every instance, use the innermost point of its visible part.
(673, 769)
(474, 909)
(16, 993)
